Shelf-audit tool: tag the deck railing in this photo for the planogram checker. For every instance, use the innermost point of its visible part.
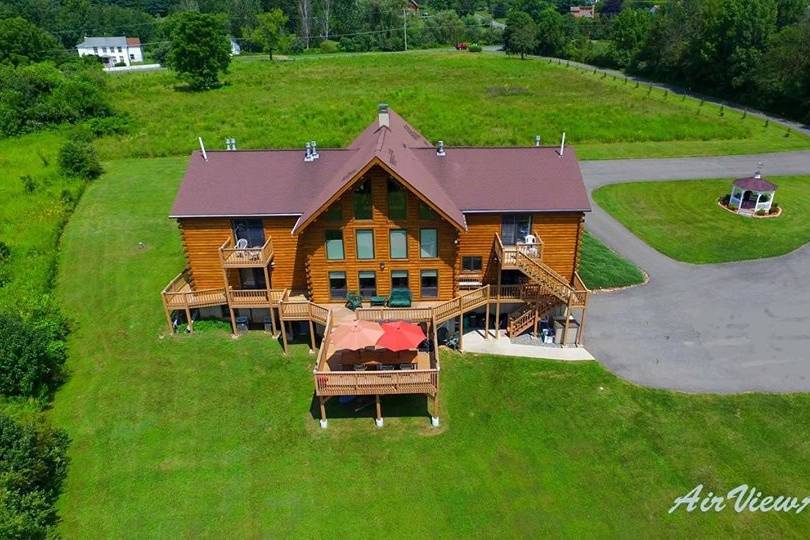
(507, 254)
(461, 304)
(357, 383)
(179, 295)
(581, 291)
(303, 311)
(394, 314)
(233, 257)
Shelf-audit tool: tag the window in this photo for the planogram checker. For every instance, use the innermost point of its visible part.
(396, 200)
(95, 50)
(426, 212)
(428, 247)
(119, 49)
(251, 230)
(335, 212)
(361, 198)
(399, 243)
(337, 284)
(334, 245)
(368, 284)
(252, 278)
(399, 279)
(471, 264)
(132, 56)
(365, 244)
(429, 283)
(514, 228)
(104, 49)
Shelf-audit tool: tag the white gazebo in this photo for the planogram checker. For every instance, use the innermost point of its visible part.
(751, 194)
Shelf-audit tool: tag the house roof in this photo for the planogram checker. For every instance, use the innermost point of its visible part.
(133, 42)
(754, 183)
(465, 179)
(119, 41)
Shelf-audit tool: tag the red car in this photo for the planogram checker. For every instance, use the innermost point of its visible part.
(461, 46)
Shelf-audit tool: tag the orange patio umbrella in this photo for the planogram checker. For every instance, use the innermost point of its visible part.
(356, 335)
(401, 336)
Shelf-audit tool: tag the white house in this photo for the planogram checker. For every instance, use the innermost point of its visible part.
(112, 50)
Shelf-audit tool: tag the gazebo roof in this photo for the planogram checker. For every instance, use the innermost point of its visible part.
(754, 183)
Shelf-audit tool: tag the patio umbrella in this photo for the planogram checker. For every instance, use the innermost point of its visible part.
(356, 335)
(401, 336)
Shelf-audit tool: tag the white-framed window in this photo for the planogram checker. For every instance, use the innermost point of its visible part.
(365, 243)
(398, 239)
(428, 243)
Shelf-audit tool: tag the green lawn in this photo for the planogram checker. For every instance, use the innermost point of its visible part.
(206, 436)
(681, 219)
(463, 99)
(602, 268)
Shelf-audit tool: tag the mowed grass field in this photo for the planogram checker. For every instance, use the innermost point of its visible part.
(205, 436)
(682, 220)
(460, 98)
(602, 268)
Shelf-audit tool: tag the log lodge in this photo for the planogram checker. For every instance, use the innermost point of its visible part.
(483, 237)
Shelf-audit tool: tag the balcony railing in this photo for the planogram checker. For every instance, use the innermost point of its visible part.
(233, 257)
(255, 297)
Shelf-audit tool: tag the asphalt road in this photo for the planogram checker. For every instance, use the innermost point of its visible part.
(723, 328)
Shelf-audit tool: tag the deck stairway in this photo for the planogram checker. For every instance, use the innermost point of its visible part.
(546, 286)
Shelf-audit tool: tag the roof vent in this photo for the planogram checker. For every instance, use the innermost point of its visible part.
(440, 149)
(382, 114)
(308, 152)
(315, 155)
(537, 140)
(230, 144)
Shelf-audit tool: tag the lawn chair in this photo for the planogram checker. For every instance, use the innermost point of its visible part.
(241, 246)
(400, 298)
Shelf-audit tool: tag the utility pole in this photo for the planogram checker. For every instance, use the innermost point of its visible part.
(405, 26)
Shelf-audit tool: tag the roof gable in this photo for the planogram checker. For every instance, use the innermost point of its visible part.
(391, 146)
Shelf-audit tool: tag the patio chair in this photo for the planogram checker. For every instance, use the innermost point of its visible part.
(360, 367)
(241, 245)
(401, 298)
(408, 366)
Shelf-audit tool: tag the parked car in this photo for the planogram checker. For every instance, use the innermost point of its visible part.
(461, 46)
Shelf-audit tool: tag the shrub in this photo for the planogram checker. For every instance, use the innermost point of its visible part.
(725, 199)
(33, 465)
(31, 356)
(78, 158)
(761, 212)
(774, 208)
(329, 46)
(110, 125)
(28, 182)
(475, 47)
(733, 207)
(5, 252)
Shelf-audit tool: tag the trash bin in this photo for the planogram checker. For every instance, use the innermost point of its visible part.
(268, 324)
(241, 325)
(559, 328)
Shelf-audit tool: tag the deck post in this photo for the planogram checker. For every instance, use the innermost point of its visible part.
(461, 332)
(168, 316)
(498, 304)
(233, 320)
(188, 320)
(283, 325)
(311, 335)
(486, 317)
(269, 300)
(378, 420)
(434, 419)
(581, 330)
(567, 319)
(536, 318)
(324, 422)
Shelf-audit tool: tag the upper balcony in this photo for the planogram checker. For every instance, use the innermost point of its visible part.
(235, 256)
(508, 254)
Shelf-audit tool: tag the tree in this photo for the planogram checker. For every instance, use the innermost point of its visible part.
(200, 49)
(269, 33)
(79, 158)
(520, 35)
(629, 30)
(23, 43)
(785, 77)
(446, 27)
(553, 32)
(31, 359)
(242, 15)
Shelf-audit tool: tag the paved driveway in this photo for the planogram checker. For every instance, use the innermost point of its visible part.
(732, 327)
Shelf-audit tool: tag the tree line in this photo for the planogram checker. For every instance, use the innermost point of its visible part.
(755, 52)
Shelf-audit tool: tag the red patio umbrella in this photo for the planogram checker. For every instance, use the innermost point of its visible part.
(401, 336)
(356, 335)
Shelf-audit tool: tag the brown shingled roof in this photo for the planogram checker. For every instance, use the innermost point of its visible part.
(754, 183)
(280, 182)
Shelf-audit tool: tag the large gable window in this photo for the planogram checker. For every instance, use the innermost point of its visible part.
(426, 212)
(428, 244)
(365, 244)
(361, 200)
(250, 230)
(334, 245)
(396, 200)
(398, 239)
